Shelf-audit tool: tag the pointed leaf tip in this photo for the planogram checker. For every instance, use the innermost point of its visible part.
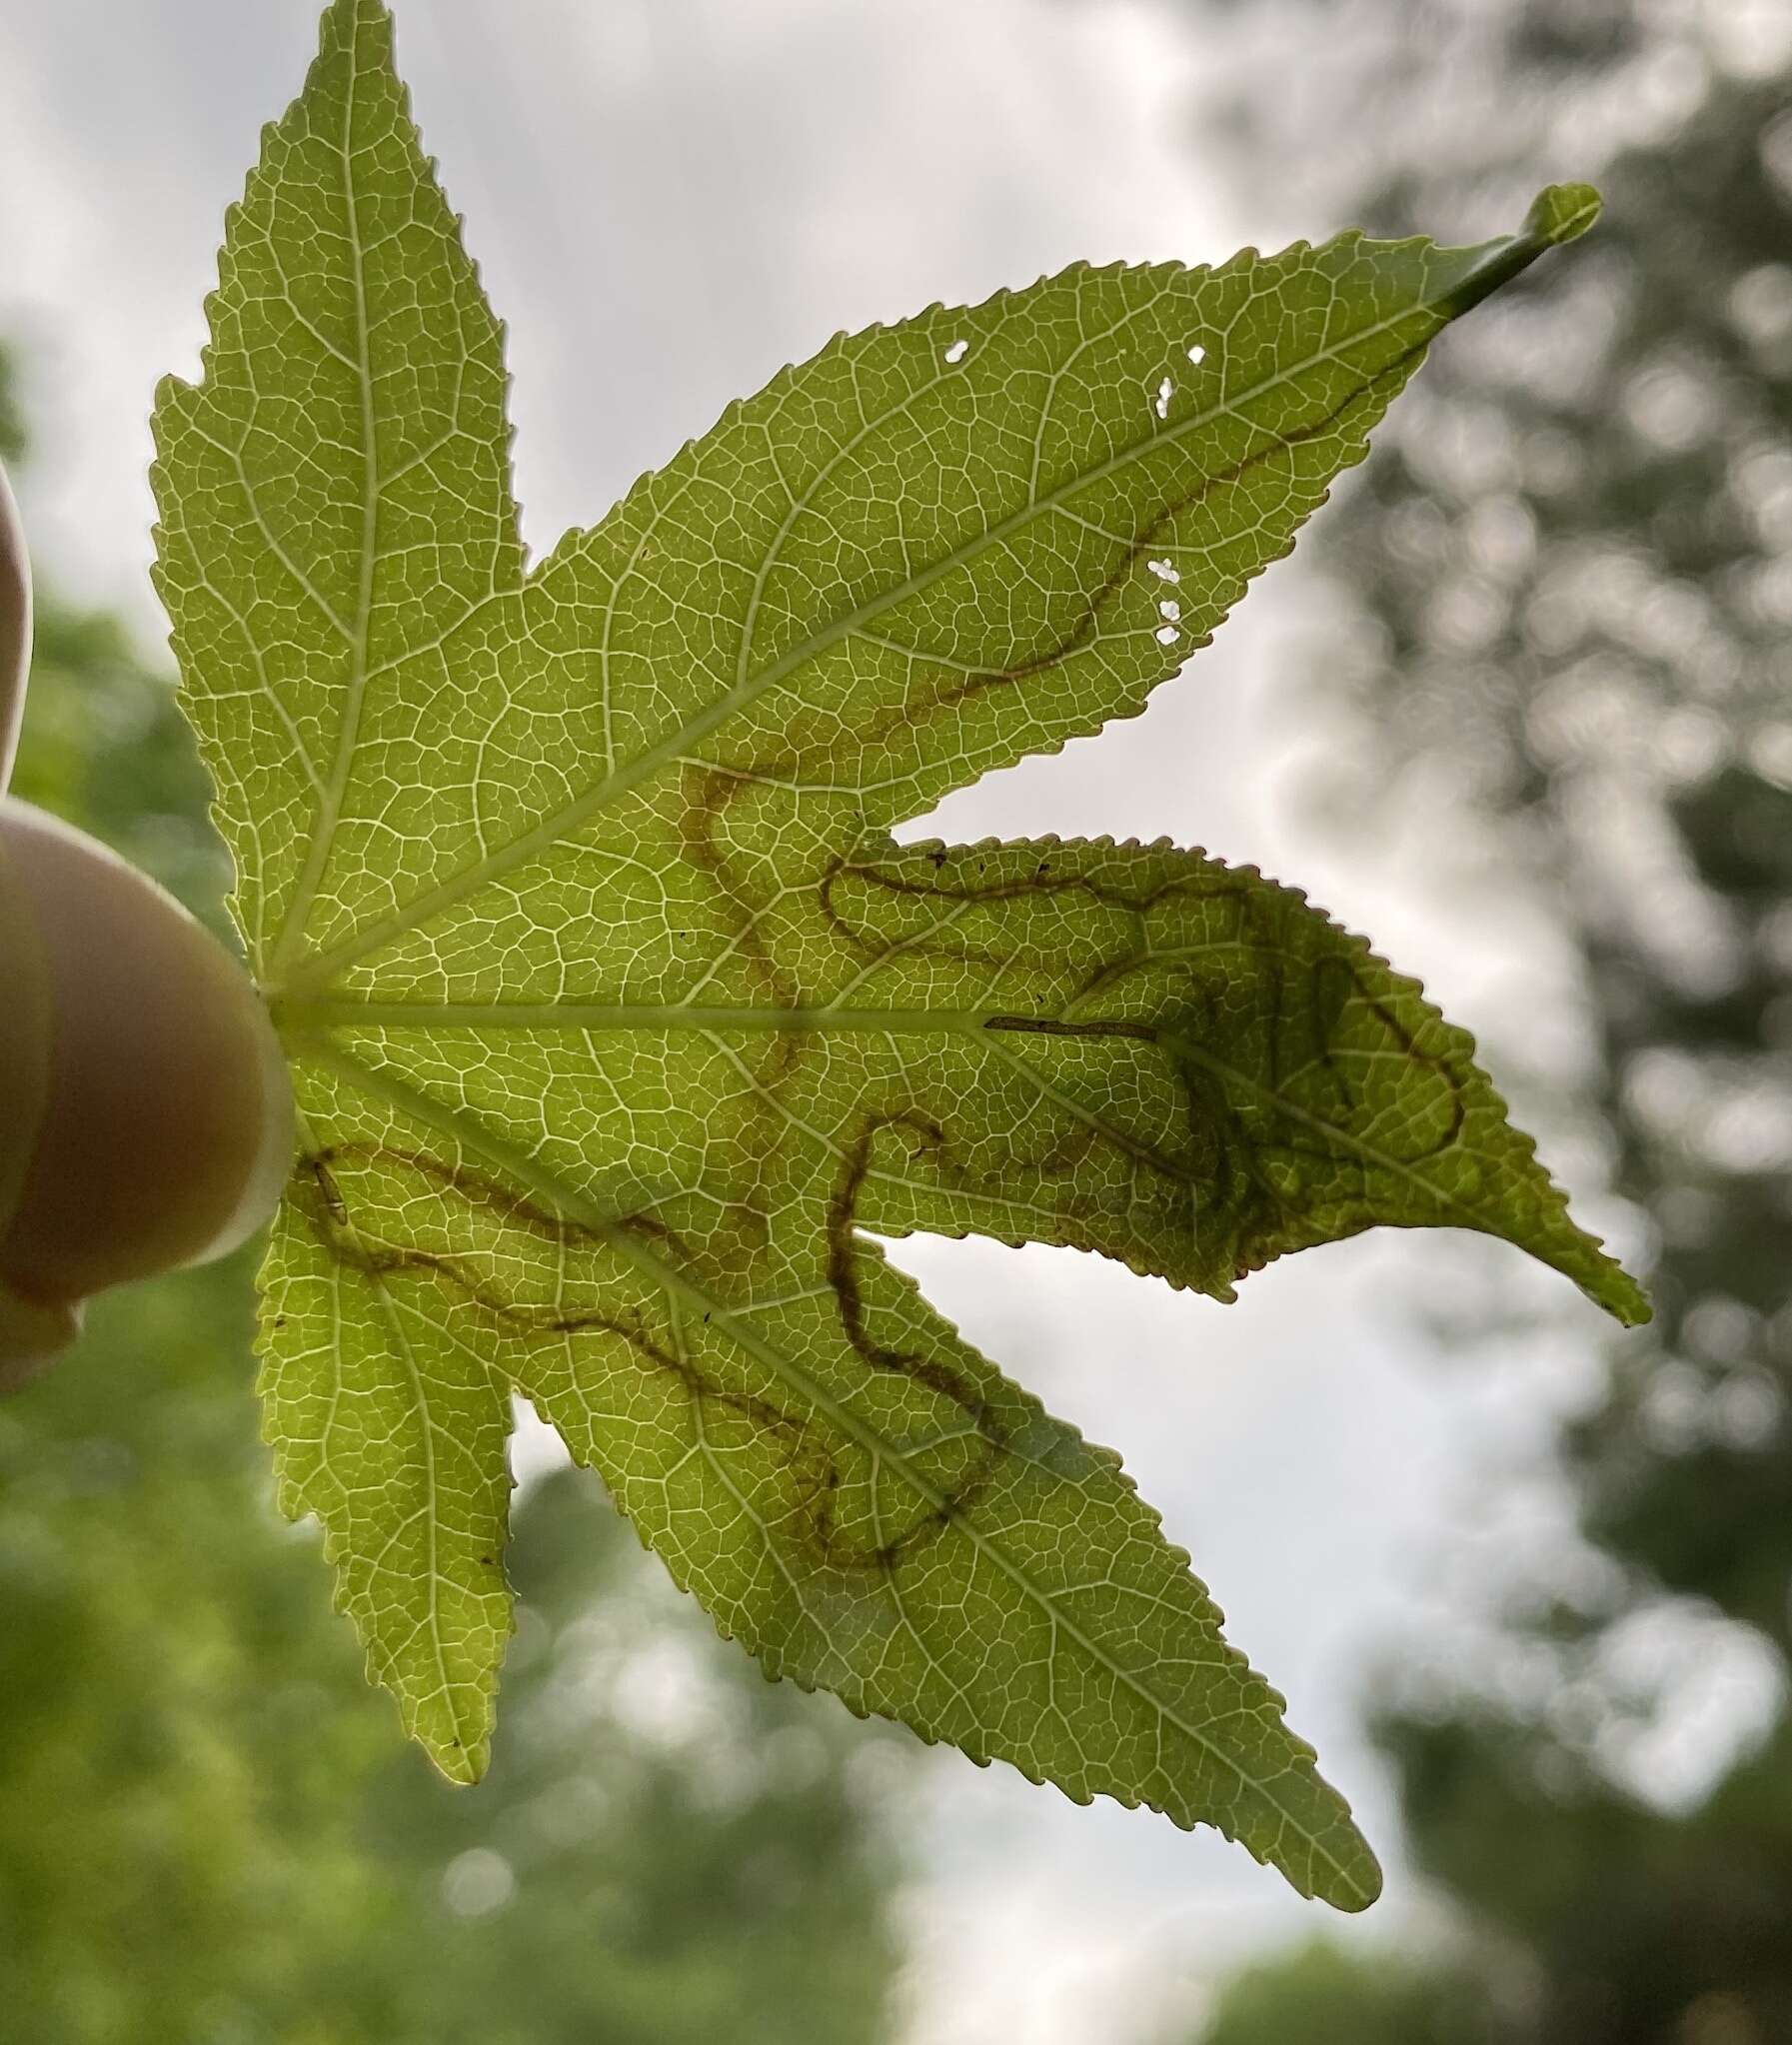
(1562, 213)
(1558, 214)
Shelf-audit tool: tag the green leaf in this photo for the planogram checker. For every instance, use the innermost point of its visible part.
(617, 1019)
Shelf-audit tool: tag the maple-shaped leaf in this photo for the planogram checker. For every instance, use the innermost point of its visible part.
(617, 1019)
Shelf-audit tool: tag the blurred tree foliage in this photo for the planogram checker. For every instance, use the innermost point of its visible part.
(1321, 1992)
(1573, 558)
(211, 1832)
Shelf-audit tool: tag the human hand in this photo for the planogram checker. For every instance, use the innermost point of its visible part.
(146, 1118)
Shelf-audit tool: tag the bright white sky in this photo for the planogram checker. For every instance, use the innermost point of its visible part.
(669, 199)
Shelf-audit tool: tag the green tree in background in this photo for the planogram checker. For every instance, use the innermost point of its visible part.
(1319, 1992)
(1573, 557)
(210, 1833)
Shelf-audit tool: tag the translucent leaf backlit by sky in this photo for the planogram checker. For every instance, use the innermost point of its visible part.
(618, 1020)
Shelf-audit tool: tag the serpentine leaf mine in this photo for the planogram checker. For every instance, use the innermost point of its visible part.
(620, 1024)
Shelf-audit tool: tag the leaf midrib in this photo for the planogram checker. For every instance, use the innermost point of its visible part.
(291, 935)
(308, 1016)
(465, 1730)
(316, 972)
(572, 1205)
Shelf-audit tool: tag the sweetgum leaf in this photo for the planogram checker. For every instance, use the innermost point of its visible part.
(616, 1018)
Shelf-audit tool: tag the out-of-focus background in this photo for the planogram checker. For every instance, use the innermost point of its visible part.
(1520, 705)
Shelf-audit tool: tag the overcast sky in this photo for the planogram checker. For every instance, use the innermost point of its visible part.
(668, 200)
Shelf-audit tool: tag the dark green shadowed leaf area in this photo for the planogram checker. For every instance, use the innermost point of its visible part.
(617, 1018)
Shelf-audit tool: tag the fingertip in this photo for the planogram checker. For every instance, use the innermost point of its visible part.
(33, 1334)
(15, 626)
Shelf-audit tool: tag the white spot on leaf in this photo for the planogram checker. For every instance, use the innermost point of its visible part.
(1169, 609)
(1168, 634)
(1198, 355)
(1166, 392)
(955, 353)
(1165, 570)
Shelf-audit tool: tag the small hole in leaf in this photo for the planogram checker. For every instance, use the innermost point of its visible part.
(1198, 355)
(1168, 634)
(1166, 392)
(955, 353)
(1165, 570)
(1169, 609)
